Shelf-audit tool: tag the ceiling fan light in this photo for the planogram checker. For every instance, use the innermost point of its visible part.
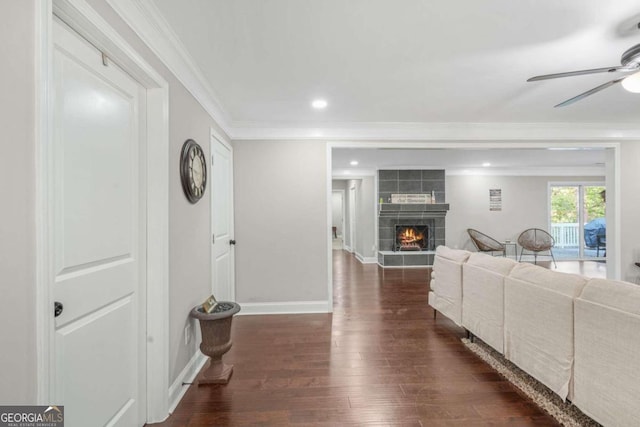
(632, 83)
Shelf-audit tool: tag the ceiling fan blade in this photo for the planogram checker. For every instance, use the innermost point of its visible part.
(581, 72)
(590, 92)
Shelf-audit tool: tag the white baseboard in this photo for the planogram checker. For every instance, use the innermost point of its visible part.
(188, 374)
(366, 260)
(348, 248)
(296, 307)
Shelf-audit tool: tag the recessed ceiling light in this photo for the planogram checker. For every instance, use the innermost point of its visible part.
(354, 163)
(319, 104)
(486, 164)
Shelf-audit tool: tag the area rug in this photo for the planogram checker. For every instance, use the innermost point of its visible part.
(564, 412)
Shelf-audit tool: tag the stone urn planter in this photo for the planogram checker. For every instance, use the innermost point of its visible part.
(215, 328)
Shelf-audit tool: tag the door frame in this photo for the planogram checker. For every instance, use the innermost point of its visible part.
(580, 185)
(353, 197)
(343, 212)
(215, 137)
(436, 141)
(90, 25)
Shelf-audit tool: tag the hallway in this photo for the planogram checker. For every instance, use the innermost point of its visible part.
(379, 360)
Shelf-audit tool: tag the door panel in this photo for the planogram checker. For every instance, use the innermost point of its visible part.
(96, 158)
(93, 338)
(99, 232)
(222, 221)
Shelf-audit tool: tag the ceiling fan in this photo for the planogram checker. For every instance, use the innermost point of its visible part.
(630, 62)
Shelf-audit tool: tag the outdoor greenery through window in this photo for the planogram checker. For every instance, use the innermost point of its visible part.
(578, 220)
(564, 204)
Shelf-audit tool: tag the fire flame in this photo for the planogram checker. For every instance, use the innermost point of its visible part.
(409, 235)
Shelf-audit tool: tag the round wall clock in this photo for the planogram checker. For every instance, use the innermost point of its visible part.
(193, 170)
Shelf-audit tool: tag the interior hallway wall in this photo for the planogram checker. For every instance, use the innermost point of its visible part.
(629, 210)
(525, 201)
(281, 221)
(17, 216)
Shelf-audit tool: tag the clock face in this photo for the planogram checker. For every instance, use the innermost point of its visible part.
(193, 171)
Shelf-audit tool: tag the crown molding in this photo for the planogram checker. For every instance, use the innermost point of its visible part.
(148, 23)
(346, 174)
(440, 131)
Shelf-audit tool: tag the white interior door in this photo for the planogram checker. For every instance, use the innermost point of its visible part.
(223, 286)
(99, 236)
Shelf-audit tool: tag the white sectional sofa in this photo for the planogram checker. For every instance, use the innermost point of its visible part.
(578, 336)
(446, 282)
(538, 332)
(607, 346)
(483, 303)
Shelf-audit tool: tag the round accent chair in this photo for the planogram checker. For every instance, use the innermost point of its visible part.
(484, 243)
(536, 240)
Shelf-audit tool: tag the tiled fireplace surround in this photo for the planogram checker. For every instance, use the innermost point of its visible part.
(392, 214)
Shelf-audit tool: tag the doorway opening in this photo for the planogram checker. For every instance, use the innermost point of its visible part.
(577, 220)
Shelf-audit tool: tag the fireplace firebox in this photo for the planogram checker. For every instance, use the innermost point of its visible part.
(411, 238)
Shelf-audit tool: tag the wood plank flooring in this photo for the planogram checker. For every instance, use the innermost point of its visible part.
(379, 360)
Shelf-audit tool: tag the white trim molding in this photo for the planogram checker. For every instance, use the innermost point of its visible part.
(44, 295)
(181, 384)
(366, 260)
(294, 307)
(441, 132)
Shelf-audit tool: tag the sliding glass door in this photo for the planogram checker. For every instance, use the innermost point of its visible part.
(577, 219)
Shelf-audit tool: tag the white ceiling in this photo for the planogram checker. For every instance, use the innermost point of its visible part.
(409, 61)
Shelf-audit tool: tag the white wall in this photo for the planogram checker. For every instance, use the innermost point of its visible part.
(17, 216)
(524, 205)
(281, 221)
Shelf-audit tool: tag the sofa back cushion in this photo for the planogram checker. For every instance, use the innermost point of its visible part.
(539, 324)
(607, 345)
(483, 297)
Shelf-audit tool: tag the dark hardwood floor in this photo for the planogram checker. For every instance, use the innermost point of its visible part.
(379, 360)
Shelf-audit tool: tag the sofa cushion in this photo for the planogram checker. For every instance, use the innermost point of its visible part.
(539, 324)
(607, 345)
(446, 282)
(483, 302)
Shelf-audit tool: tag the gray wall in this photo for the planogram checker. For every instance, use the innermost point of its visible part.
(365, 218)
(524, 205)
(629, 211)
(17, 216)
(281, 221)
